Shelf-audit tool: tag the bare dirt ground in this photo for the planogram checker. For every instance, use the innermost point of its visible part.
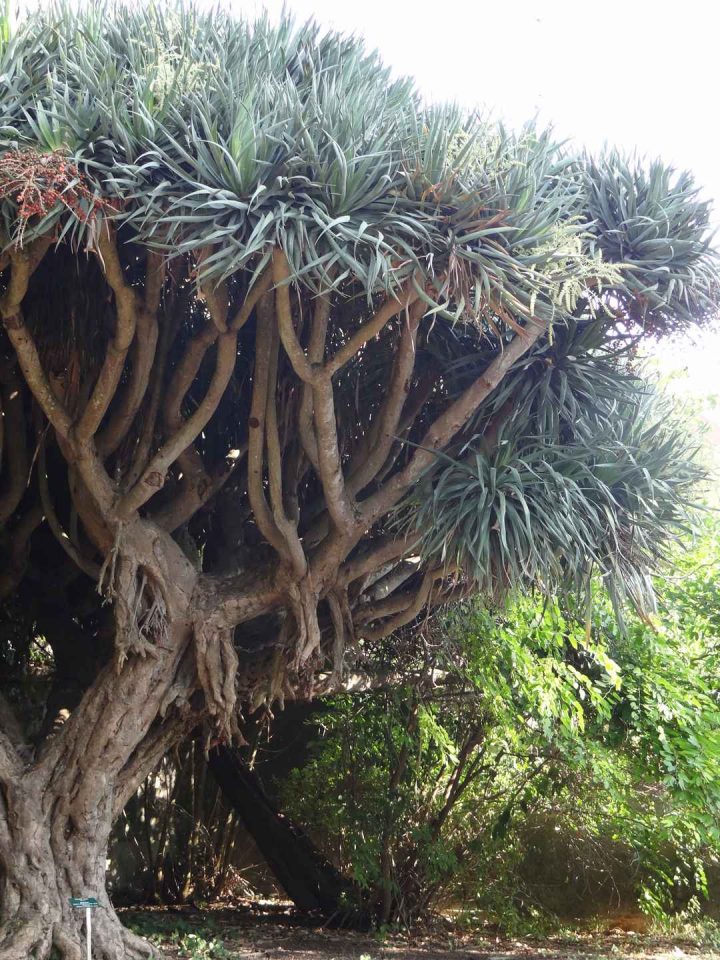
(274, 932)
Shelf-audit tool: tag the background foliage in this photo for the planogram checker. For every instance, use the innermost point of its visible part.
(572, 739)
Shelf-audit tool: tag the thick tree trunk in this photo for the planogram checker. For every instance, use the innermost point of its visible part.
(57, 808)
(48, 856)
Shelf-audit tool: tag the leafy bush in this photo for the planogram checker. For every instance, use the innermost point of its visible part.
(550, 737)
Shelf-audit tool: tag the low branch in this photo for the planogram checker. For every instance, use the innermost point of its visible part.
(415, 604)
(390, 581)
(380, 552)
(387, 607)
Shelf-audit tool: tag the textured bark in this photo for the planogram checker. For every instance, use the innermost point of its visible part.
(52, 851)
(57, 807)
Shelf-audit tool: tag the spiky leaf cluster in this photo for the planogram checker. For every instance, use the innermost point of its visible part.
(218, 142)
(222, 138)
(588, 473)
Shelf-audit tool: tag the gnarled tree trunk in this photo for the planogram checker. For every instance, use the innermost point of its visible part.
(57, 808)
(52, 849)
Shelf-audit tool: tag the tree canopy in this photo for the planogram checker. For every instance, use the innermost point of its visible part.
(290, 359)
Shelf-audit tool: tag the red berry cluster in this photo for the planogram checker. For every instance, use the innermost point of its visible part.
(39, 182)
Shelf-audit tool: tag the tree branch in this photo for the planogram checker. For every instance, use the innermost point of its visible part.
(441, 432)
(415, 603)
(341, 506)
(143, 358)
(256, 430)
(11, 731)
(197, 484)
(383, 433)
(380, 552)
(14, 445)
(20, 536)
(153, 476)
(390, 307)
(193, 496)
(23, 265)
(316, 352)
(274, 454)
(87, 566)
(126, 311)
(307, 371)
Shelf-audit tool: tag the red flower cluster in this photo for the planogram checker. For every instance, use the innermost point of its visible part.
(39, 182)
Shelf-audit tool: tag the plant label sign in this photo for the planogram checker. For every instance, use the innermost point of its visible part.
(87, 904)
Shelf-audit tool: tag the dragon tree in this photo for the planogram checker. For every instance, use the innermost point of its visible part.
(289, 359)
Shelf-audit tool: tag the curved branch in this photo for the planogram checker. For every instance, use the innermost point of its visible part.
(415, 603)
(143, 358)
(198, 485)
(153, 476)
(384, 431)
(391, 306)
(316, 352)
(340, 505)
(274, 454)
(126, 311)
(304, 368)
(194, 496)
(20, 536)
(15, 444)
(23, 265)
(447, 425)
(256, 432)
(87, 566)
(381, 552)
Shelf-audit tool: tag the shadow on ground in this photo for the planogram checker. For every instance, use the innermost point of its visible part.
(275, 931)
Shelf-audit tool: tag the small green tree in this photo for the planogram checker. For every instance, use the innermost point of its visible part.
(257, 299)
(430, 793)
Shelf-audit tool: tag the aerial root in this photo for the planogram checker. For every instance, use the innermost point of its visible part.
(217, 667)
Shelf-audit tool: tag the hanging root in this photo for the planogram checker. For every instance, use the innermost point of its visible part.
(217, 667)
(140, 609)
(339, 643)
